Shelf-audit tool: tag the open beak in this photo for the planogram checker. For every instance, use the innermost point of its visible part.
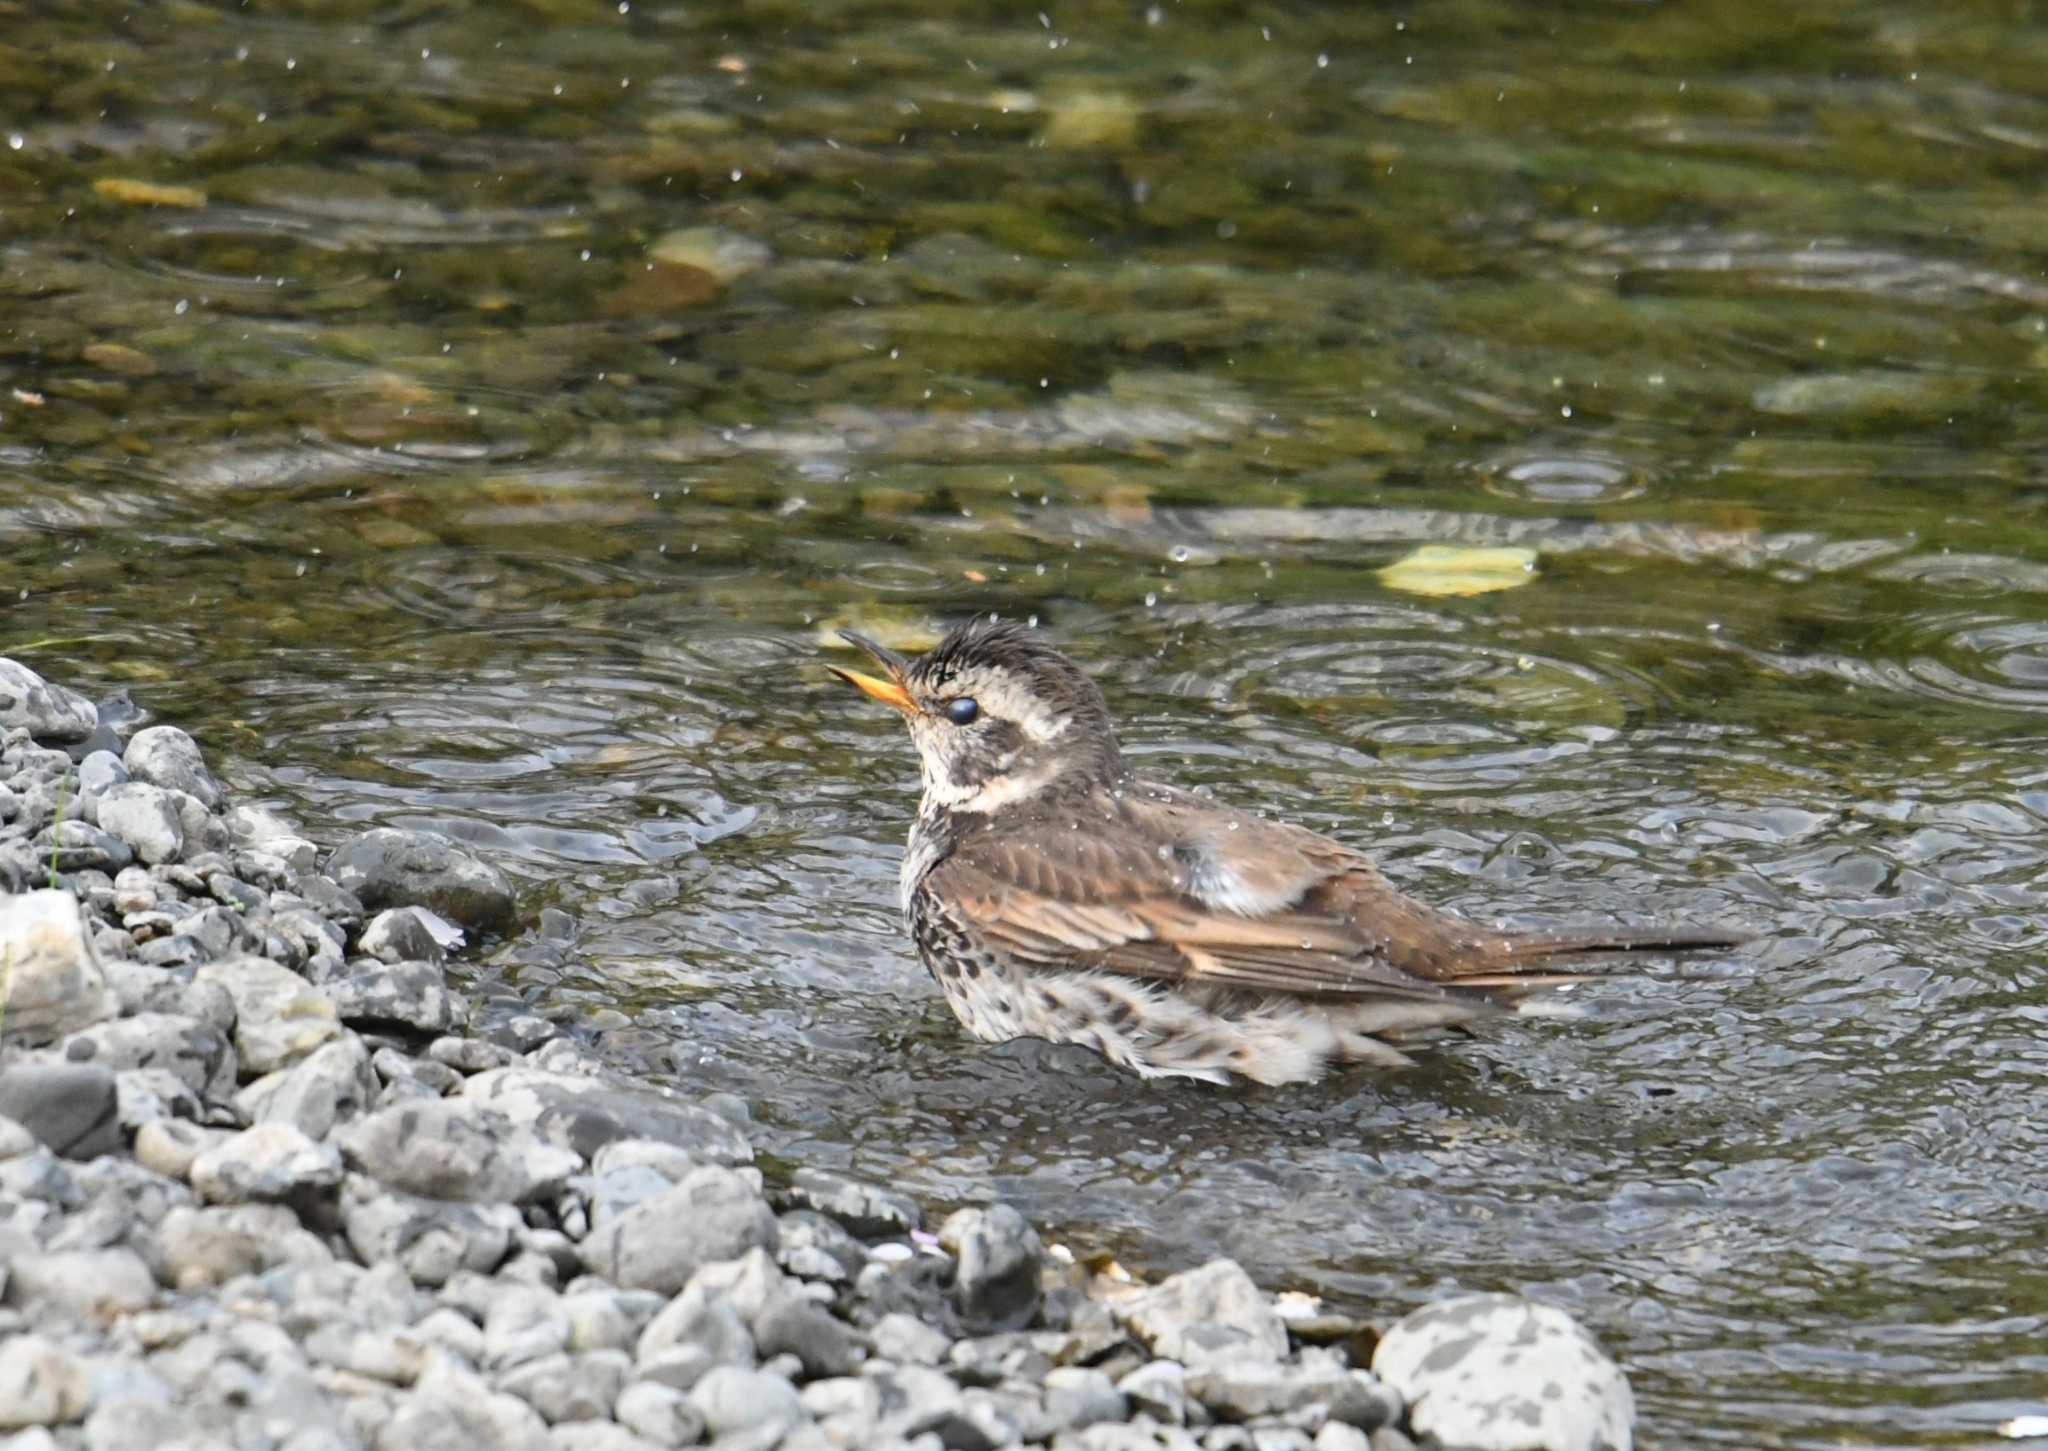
(890, 692)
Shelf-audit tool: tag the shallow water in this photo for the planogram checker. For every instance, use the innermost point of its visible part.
(431, 479)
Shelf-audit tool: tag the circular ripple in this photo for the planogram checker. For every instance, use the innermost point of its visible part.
(257, 263)
(1562, 478)
(1963, 657)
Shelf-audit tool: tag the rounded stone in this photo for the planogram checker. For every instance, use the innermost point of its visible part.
(168, 757)
(732, 1398)
(1502, 1373)
(387, 867)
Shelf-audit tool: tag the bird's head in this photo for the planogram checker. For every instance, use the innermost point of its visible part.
(996, 714)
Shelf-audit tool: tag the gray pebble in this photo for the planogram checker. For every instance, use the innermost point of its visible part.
(996, 1284)
(279, 1016)
(598, 1320)
(76, 845)
(330, 1086)
(678, 1366)
(146, 1095)
(402, 934)
(72, 1108)
(412, 995)
(865, 1209)
(41, 1383)
(453, 1407)
(237, 895)
(565, 1387)
(392, 1065)
(796, 1326)
(732, 1398)
(1252, 1389)
(93, 1284)
(385, 867)
(1158, 1389)
(704, 1319)
(201, 1249)
(134, 1423)
(257, 826)
(205, 833)
(713, 1214)
(524, 1324)
(213, 928)
(196, 1053)
(905, 1338)
(99, 771)
(15, 1139)
(469, 1055)
(270, 1161)
(456, 1148)
(1209, 1313)
(452, 1330)
(432, 1240)
(168, 1146)
(818, 1248)
(393, 1356)
(47, 712)
(1077, 1396)
(144, 817)
(139, 988)
(602, 1436)
(585, 1113)
(661, 1413)
(166, 756)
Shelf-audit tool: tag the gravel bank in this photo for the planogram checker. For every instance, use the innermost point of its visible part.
(261, 1188)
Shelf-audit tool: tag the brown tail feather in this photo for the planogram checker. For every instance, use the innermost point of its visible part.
(1520, 962)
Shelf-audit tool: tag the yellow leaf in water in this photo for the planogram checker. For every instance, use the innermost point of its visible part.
(1456, 569)
(119, 358)
(148, 193)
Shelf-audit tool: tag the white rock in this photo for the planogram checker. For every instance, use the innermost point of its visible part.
(54, 981)
(1501, 1373)
(144, 817)
(50, 712)
(1211, 1312)
(279, 1016)
(41, 1383)
(268, 1162)
(166, 756)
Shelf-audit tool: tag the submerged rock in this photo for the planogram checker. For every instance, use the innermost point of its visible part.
(387, 867)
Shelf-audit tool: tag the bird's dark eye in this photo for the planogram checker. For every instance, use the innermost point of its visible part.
(961, 710)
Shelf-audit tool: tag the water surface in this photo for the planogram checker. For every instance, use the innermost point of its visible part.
(489, 422)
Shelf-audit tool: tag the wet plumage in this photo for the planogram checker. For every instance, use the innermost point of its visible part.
(1054, 893)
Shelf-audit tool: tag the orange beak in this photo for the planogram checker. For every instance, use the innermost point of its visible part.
(890, 692)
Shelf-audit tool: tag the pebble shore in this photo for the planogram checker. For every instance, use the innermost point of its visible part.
(268, 1183)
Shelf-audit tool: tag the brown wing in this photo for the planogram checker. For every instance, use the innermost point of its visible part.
(1156, 883)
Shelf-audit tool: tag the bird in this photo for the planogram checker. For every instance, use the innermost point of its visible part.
(1054, 892)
